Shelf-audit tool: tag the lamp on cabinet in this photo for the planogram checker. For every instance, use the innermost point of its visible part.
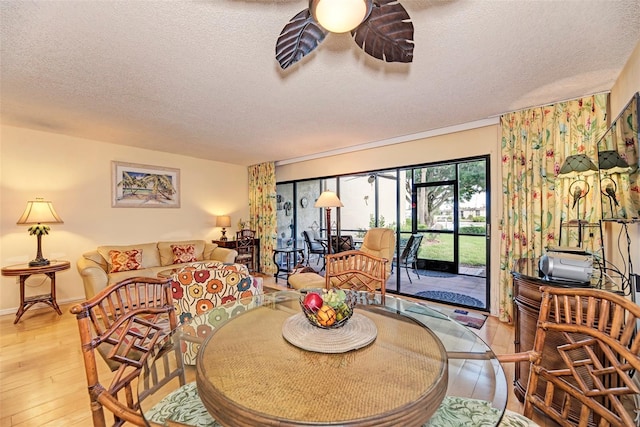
(577, 166)
(223, 221)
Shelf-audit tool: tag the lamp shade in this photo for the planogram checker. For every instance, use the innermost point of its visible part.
(577, 164)
(39, 211)
(328, 199)
(339, 16)
(223, 221)
(611, 161)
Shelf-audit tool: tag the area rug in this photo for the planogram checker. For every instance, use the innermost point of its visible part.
(466, 318)
(471, 320)
(433, 273)
(452, 297)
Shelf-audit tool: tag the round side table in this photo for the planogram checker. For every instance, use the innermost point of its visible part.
(24, 271)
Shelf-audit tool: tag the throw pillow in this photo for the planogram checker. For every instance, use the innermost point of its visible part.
(125, 260)
(183, 253)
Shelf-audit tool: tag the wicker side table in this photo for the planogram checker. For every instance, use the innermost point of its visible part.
(24, 271)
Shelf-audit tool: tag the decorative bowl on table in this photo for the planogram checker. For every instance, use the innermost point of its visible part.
(328, 309)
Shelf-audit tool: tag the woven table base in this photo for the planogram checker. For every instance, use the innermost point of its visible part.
(358, 332)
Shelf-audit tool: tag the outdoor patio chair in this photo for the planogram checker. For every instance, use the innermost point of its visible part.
(314, 247)
(409, 256)
(342, 243)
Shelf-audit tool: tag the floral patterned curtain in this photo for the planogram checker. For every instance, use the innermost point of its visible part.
(262, 208)
(537, 198)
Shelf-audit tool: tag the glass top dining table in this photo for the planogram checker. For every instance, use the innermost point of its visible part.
(251, 370)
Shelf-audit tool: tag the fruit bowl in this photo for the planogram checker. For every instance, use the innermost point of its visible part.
(333, 309)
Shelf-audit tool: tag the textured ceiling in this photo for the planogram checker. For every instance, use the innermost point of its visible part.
(200, 78)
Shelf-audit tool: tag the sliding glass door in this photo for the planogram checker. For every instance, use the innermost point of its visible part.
(451, 211)
(437, 221)
(445, 203)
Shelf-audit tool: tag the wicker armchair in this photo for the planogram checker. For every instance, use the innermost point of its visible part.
(366, 269)
(126, 324)
(584, 378)
(356, 270)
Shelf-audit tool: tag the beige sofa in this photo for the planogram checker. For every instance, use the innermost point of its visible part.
(146, 259)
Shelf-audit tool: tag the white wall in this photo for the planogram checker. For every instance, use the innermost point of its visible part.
(75, 174)
(627, 83)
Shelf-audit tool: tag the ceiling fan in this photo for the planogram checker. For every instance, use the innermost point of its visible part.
(371, 177)
(382, 28)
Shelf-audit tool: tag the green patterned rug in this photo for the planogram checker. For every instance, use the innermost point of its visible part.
(184, 406)
(460, 411)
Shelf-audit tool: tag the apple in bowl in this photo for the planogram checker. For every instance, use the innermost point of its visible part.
(313, 301)
(328, 309)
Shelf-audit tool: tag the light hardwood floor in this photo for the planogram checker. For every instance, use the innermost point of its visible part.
(42, 381)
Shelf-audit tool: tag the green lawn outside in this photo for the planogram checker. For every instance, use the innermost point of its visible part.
(439, 247)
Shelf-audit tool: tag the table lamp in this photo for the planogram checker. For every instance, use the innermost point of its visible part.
(578, 165)
(610, 162)
(223, 221)
(39, 212)
(328, 200)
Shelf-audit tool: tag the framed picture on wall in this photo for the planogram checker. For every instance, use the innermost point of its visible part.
(143, 186)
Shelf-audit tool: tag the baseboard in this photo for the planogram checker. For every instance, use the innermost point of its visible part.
(40, 306)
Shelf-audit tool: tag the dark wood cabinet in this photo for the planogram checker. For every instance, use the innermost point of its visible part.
(232, 244)
(527, 300)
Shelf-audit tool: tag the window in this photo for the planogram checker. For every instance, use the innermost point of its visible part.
(445, 202)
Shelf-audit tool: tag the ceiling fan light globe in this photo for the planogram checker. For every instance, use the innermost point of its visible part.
(339, 16)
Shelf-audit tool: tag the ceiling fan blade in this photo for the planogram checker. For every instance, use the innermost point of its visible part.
(371, 176)
(384, 175)
(388, 32)
(299, 37)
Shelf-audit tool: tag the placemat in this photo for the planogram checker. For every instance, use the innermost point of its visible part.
(358, 332)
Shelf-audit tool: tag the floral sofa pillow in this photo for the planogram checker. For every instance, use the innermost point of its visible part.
(183, 254)
(125, 260)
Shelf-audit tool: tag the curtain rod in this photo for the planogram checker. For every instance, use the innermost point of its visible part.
(552, 103)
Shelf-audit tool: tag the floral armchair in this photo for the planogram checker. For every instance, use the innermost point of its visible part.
(207, 294)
